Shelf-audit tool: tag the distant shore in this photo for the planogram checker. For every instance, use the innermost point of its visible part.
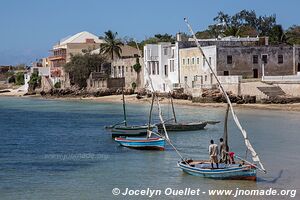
(131, 99)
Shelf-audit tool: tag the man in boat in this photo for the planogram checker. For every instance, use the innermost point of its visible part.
(213, 153)
(223, 152)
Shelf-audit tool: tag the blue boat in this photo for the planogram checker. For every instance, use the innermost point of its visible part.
(157, 143)
(242, 170)
(225, 171)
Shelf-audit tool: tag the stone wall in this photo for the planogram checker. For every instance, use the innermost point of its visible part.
(242, 60)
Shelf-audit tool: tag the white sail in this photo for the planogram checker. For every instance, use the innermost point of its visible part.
(236, 120)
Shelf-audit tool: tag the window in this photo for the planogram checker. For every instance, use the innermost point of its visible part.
(123, 71)
(280, 59)
(198, 61)
(265, 59)
(185, 79)
(153, 68)
(183, 61)
(209, 60)
(131, 69)
(172, 69)
(188, 61)
(229, 59)
(165, 51)
(226, 73)
(126, 69)
(205, 78)
(255, 59)
(195, 78)
(193, 61)
(204, 61)
(157, 68)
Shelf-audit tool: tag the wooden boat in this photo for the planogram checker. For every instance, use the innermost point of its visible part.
(225, 171)
(241, 171)
(132, 131)
(177, 126)
(123, 129)
(142, 143)
(192, 126)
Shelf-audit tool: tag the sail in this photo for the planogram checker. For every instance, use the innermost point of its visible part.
(255, 156)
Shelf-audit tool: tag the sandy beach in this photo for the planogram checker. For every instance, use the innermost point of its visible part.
(131, 99)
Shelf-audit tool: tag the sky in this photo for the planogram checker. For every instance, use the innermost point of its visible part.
(29, 28)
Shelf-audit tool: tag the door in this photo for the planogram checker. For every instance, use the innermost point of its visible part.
(166, 70)
(298, 67)
(255, 73)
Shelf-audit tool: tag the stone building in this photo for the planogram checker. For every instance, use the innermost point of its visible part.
(245, 57)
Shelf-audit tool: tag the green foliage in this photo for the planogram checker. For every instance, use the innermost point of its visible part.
(112, 47)
(293, 35)
(12, 79)
(57, 85)
(277, 35)
(81, 66)
(137, 66)
(35, 81)
(244, 23)
(19, 80)
(133, 85)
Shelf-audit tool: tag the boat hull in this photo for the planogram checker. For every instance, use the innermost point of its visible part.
(142, 143)
(233, 172)
(130, 131)
(183, 126)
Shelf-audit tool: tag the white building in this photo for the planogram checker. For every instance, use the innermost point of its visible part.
(161, 63)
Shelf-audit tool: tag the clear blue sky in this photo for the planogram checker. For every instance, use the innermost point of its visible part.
(29, 28)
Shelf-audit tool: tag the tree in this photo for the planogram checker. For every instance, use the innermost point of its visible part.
(20, 78)
(293, 35)
(112, 46)
(35, 81)
(81, 66)
(137, 68)
(277, 35)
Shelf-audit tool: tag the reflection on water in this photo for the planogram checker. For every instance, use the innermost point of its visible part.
(59, 150)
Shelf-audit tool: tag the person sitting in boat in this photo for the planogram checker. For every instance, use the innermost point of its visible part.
(231, 157)
(223, 152)
(213, 153)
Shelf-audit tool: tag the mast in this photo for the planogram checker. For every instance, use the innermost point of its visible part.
(124, 108)
(150, 114)
(236, 120)
(174, 115)
(225, 136)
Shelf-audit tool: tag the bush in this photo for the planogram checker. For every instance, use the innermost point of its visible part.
(137, 67)
(20, 78)
(133, 85)
(12, 79)
(57, 85)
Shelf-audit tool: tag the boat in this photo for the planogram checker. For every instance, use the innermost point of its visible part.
(157, 143)
(118, 131)
(183, 126)
(123, 129)
(191, 126)
(202, 168)
(243, 170)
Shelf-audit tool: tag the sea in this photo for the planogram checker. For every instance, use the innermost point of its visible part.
(54, 149)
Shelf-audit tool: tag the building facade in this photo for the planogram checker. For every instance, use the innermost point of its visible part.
(246, 57)
(62, 52)
(161, 64)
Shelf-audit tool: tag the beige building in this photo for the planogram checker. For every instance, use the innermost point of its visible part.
(62, 51)
(194, 71)
(123, 68)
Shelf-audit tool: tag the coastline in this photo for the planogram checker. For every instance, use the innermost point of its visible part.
(131, 99)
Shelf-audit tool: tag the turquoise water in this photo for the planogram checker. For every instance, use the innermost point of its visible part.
(59, 150)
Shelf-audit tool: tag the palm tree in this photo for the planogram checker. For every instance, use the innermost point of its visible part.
(112, 46)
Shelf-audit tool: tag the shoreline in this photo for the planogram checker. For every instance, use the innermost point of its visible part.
(131, 99)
